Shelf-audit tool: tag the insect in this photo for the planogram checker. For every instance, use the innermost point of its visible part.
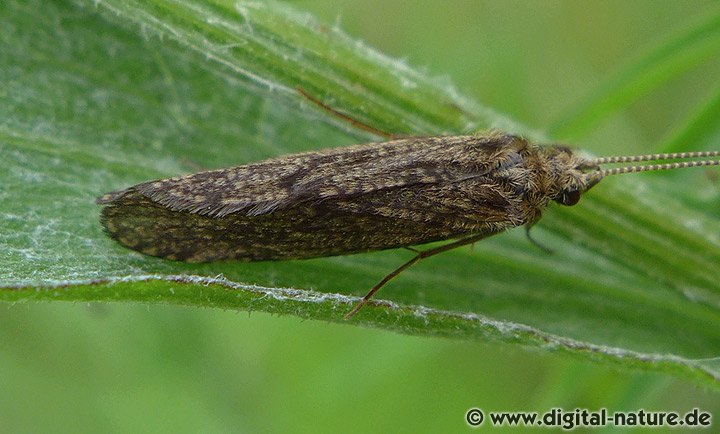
(374, 196)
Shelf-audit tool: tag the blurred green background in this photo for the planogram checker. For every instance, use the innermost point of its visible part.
(103, 368)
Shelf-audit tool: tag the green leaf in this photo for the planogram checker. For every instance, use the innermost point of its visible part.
(699, 128)
(673, 57)
(99, 96)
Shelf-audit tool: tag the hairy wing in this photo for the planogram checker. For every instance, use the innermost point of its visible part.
(271, 185)
(327, 228)
(347, 200)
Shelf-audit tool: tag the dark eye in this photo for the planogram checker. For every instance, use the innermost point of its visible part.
(569, 198)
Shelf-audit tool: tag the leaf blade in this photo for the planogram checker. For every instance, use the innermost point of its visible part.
(78, 130)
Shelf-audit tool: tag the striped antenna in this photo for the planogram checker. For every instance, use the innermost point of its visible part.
(656, 157)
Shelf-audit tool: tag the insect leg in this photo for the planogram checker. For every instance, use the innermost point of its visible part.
(354, 122)
(535, 243)
(421, 255)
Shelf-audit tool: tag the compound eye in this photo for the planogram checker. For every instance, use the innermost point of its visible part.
(570, 197)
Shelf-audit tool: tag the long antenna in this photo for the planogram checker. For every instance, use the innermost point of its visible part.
(655, 157)
(666, 166)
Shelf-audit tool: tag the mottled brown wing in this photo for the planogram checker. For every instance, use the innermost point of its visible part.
(269, 185)
(371, 197)
(324, 228)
